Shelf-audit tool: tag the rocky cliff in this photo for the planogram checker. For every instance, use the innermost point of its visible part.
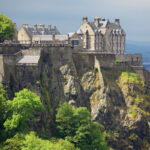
(117, 99)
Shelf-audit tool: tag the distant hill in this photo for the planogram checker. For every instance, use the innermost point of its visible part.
(140, 47)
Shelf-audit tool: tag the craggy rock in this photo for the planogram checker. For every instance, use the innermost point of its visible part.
(119, 101)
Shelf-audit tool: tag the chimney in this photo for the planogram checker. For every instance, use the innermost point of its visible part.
(85, 19)
(96, 21)
(117, 21)
(42, 26)
(49, 27)
(25, 25)
(35, 26)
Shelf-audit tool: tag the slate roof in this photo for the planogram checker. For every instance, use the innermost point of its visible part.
(40, 31)
(92, 24)
(44, 37)
(29, 60)
(61, 37)
(116, 28)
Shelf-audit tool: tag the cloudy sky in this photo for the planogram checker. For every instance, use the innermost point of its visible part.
(67, 14)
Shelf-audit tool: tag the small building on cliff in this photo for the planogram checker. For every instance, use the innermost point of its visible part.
(27, 35)
(102, 35)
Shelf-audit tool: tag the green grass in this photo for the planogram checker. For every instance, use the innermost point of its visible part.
(118, 60)
(130, 77)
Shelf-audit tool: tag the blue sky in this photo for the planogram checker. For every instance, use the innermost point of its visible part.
(67, 14)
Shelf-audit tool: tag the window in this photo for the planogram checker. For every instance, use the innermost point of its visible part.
(75, 42)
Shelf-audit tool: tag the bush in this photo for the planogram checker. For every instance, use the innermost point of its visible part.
(75, 125)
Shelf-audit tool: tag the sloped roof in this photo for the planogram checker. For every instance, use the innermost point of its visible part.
(92, 24)
(61, 37)
(40, 31)
(29, 60)
(71, 34)
(103, 23)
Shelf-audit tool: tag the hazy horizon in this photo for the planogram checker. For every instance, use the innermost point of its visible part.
(67, 14)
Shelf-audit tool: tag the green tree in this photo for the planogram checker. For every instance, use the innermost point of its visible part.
(15, 143)
(21, 108)
(6, 28)
(76, 126)
(33, 142)
(64, 118)
(3, 102)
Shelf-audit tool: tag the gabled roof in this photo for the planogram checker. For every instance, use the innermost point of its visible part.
(103, 23)
(92, 24)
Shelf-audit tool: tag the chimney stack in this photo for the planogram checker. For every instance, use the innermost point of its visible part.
(35, 26)
(49, 27)
(42, 26)
(96, 21)
(25, 25)
(117, 21)
(85, 19)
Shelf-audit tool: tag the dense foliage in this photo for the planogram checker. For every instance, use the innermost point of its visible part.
(6, 28)
(3, 101)
(32, 142)
(75, 128)
(75, 125)
(21, 108)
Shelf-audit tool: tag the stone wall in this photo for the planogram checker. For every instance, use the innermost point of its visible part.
(146, 76)
(9, 49)
(1, 68)
(86, 60)
(31, 52)
(132, 59)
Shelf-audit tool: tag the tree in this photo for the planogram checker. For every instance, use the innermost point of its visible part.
(76, 126)
(64, 119)
(21, 108)
(33, 142)
(15, 143)
(3, 102)
(6, 28)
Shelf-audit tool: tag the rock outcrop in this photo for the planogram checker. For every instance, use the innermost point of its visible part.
(119, 100)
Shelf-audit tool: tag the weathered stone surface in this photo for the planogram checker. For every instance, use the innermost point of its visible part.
(119, 105)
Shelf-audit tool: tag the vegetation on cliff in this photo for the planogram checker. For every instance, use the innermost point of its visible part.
(75, 125)
(75, 129)
(6, 28)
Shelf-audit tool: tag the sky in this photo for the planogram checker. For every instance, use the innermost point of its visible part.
(67, 14)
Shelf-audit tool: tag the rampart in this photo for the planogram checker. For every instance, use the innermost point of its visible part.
(132, 59)
(24, 63)
(86, 60)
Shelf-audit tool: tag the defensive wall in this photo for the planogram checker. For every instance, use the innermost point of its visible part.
(86, 60)
(132, 59)
(23, 63)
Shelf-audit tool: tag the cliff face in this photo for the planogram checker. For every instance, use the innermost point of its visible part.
(118, 100)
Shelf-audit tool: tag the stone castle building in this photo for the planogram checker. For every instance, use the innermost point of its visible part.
(37, 33)
(102, 35)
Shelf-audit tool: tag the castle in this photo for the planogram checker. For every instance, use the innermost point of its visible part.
(100, 35)
(99, 42)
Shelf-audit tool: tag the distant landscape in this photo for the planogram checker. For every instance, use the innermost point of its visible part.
(140, 47)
